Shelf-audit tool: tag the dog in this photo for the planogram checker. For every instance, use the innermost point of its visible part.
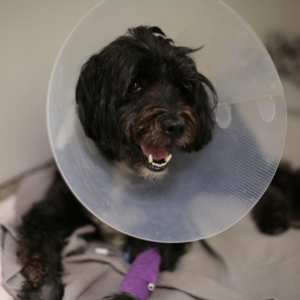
(138, 98)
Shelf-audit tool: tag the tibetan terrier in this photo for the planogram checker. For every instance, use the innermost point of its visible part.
(137, 99)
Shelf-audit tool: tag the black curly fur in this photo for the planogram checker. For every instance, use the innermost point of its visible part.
(279, 208)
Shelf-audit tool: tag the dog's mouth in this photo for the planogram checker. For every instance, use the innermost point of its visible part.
(155, 158)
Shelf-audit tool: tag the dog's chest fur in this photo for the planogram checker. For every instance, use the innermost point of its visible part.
(109, 234)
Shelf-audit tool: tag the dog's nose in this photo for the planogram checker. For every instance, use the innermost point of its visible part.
(172, 127)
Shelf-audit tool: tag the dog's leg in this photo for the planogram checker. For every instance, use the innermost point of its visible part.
(272, 213)
(170, 253)
(167, 258)
(41, 239)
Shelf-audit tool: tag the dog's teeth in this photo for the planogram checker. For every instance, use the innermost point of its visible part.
(150, 159)
(168, 158)
(159, 165)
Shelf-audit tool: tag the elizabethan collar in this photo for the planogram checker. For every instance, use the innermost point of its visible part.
(208, 191)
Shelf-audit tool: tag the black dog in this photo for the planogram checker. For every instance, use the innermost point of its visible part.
(136, 99)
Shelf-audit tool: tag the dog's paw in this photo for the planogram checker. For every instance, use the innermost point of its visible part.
(51, 289)
(272, 213)
(121, 296)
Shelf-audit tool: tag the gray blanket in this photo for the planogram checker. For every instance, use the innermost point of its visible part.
(248, 265)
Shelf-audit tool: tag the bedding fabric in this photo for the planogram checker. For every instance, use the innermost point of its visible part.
(247, 266)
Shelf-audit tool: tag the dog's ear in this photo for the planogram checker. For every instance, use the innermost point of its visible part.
(204, 108)
(95, 98)
(85, 96)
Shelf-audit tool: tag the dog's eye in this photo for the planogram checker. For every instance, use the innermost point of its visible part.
(136, 87)
(186, 86)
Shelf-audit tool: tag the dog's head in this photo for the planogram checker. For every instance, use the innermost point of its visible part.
(140, 96)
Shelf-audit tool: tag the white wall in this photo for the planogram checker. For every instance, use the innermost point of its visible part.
(31, 34)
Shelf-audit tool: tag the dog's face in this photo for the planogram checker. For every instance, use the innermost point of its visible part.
(140, 96)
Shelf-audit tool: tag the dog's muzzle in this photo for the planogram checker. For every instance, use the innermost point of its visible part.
(156, 158)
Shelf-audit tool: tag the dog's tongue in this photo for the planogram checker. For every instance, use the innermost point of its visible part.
(157, 153)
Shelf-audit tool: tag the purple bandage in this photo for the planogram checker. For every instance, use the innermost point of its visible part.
(142, 275)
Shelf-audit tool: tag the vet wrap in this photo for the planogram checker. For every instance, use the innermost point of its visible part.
(143, 271)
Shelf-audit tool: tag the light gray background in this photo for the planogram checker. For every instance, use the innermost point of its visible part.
(31, 34)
